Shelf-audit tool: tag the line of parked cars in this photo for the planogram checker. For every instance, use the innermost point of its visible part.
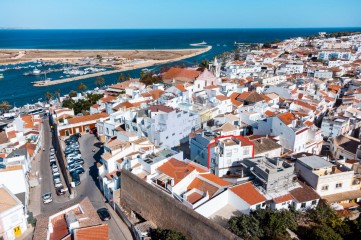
(74, 159)
(47, 197)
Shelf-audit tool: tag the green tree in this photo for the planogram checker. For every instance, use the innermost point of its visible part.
(72, 93)
(5, 106)
(99, 81)
(324, 232)
(94, 97)
(204, 64)
(82, 87)
(245, 226)
(121, 77)
(167, 234)
(48, 96)
(149, 78)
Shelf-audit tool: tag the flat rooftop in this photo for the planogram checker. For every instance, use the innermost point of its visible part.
(7, 200)
(315, 162)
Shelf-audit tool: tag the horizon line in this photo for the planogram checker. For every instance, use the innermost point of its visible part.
(204, 28)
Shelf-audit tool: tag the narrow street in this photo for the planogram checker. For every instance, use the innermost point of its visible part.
(87, 188)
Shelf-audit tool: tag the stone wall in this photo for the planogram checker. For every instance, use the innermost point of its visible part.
(166, 212)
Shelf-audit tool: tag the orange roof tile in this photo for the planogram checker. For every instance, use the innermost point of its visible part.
(303, 104)
(287, 117)
(283, 198)
(269, 113)
(87, 118)
(156, 93)
(181, 88)
(217, 180)
(11, 134)
(181, 74)
(108, 98)
(28, 119)
(248, 193)
(194, 197)
(176, 169)
(221, 97)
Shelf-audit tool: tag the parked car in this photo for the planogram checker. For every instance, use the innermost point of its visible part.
(78, 170)
(76, 160)
(73, 156)
(74, 166)
(104, 214)
(47, 198)
(60, 191)
(76, 178)
(52, 163)
(72, 152)
(56, 175)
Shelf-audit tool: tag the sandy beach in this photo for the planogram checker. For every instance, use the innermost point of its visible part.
(142, 59)
(11, 56)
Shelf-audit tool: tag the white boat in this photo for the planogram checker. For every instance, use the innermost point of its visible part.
(36, 71)
(1, 75)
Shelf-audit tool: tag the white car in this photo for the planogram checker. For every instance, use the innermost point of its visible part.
(47, 198)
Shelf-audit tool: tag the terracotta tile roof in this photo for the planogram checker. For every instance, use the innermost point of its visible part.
(181, 74)
(211, 87)
(287, 117)
(248, 193)
(176, 169)
(160, 108)
(92, 117)
(308, 123)
(213, 178)
(28, 119)
(283, 199)
(303, 104)
(11, 134)
(304, 193)
(30, 148)
(180, 87)
(203, 186)
(123, 85)
(99, 232)
(194, 197)
(222, 97)
(108, 98)
(156, 93)
(269, 113)
(252, 97)
(238, 62)
(95, 106)
(3, 138)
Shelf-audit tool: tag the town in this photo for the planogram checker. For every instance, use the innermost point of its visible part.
(207, 151)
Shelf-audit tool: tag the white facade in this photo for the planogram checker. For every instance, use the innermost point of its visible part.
(13, 220)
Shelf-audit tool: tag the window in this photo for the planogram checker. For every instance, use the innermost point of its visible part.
(303, 205)
(314, 202)
(258, 206)
(324, 188)
(338, 185)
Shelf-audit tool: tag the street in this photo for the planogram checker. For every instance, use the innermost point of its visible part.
(87, 188)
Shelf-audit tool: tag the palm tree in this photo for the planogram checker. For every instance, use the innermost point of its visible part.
(121, 77)
(4, 106)
(82, 87)
(48, 96)
(72, 93)
(99, 81)
(128, 77)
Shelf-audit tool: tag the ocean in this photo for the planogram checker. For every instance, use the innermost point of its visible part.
(18, 90)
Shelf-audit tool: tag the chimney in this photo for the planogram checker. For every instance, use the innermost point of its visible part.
(334, 169)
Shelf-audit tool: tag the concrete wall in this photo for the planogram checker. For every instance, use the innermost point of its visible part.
(166, 212)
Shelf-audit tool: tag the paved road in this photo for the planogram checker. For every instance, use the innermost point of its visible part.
(87, 188)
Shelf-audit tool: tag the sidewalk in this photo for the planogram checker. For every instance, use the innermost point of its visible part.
(35, 192)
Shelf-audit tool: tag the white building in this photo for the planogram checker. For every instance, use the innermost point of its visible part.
(165, 126)
(326, 178)
(334, 127)
(13, 219)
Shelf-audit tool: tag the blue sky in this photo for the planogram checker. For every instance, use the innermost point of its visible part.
(179, 14)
